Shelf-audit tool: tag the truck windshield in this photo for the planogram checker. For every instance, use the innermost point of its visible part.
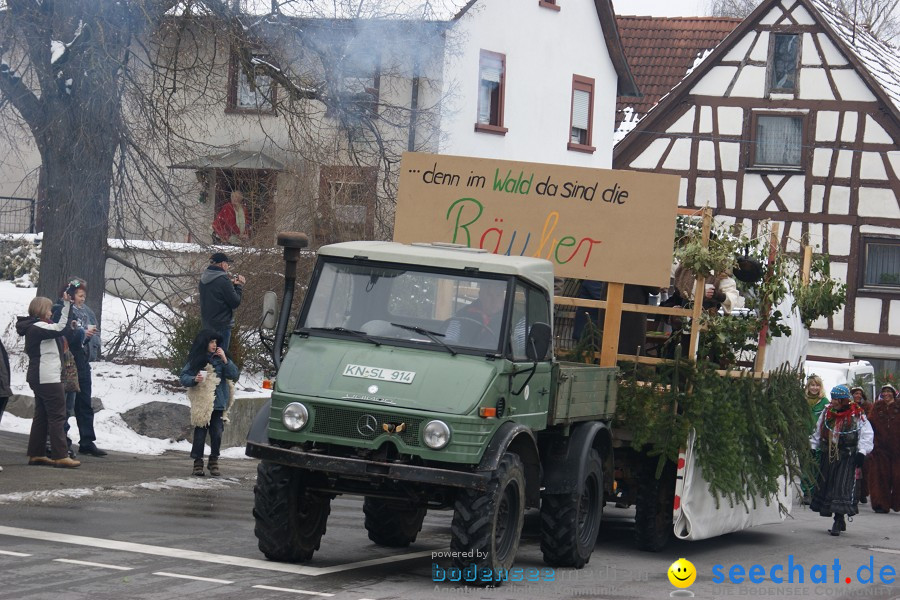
(460, 310)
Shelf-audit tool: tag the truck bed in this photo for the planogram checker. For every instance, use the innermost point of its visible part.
(584, 392)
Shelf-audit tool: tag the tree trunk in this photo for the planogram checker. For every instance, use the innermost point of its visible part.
(75, 221)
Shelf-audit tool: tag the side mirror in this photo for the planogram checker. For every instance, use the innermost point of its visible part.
(538, 343)
(270, 307)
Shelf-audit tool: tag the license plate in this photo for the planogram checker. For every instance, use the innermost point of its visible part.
(379, 374)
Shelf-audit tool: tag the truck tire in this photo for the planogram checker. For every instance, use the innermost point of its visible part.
(487, 524)
(392, 524)
(570, 523)
(654, 506)
(290, 521)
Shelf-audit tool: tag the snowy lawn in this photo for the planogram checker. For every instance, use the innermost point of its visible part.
(120, 387)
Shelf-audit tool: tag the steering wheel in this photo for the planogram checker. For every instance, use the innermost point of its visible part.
(482, 328)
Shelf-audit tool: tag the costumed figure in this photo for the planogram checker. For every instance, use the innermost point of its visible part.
(884, 463)
(844, 436)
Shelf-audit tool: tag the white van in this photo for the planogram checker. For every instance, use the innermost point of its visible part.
(857, 372)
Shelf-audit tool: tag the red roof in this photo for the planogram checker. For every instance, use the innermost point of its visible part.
(661, 50)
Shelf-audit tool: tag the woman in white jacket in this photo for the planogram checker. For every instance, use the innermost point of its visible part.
(43, 345)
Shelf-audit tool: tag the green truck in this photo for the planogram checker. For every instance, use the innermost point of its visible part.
(398, 384)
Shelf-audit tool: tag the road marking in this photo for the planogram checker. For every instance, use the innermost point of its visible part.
(11, 553)
(91, 564)
(888, 550)
(194, 577)
(219, 559)
(280, 589)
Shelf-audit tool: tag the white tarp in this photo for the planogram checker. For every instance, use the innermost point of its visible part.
(696, 515)
(790, 349)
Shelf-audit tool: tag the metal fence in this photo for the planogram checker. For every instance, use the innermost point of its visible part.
(16, 215)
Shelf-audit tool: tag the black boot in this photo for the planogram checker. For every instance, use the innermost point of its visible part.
(213, 467)
(198, 467)
(839, 525)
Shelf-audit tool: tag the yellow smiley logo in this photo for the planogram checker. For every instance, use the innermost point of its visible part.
(682, 573)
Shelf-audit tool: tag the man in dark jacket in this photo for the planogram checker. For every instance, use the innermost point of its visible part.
(5, 390)
(220, 294)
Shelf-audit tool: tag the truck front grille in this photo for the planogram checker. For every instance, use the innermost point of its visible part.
(346, 423)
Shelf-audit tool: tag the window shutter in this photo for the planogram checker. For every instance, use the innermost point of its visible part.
(581, 107)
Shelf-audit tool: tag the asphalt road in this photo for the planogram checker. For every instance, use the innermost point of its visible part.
(141, 527)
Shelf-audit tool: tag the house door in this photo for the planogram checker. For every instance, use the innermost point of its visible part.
(258, 189)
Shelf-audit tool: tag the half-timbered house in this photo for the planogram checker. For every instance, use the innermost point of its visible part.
(795, 118)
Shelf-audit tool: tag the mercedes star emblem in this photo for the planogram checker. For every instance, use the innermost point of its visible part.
(367, 425)
(373, 389)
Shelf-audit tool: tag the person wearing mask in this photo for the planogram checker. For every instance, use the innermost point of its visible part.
(843, 436)
(884, 464)
(5, 389)
(83, 337)
(220, 295)
(43, 346)
(209, 377)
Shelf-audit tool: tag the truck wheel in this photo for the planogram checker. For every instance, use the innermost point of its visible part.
(570, 523)
(290, 521)
(392, 524)
(654, 506)
(487, 525)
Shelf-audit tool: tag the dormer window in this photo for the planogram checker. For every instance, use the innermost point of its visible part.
(784, 63)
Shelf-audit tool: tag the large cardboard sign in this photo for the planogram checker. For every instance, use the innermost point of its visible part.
(591, 223)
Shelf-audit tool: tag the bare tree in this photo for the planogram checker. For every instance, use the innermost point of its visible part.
(880, 17)
(112, 92)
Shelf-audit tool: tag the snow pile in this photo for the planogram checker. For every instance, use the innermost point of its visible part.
(194, 483)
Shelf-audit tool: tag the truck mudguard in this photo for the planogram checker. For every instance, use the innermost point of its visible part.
(563, 474)
(259, 428)
(514, 437)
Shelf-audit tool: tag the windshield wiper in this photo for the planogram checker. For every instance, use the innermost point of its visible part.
(434, 336)
(360, 334)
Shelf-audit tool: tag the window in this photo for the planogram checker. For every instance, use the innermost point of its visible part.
(882, 263)
(582, 116)
(777, 141)
(784, 62)
(491, 89)
(346, 204)
(551, 4)
(257, 188)
(255, 93)
(530, 306)
(354, 82)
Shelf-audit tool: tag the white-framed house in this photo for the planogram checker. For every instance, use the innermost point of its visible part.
(795, 118)
(534, 80)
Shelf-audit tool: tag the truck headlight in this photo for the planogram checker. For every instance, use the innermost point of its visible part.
(436, 435)
(295, 416)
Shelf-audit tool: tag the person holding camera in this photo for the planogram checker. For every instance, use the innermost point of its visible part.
(44, 348)
(220, 295)
(83, 338)
(209, 377)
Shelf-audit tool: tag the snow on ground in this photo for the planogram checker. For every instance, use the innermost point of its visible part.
(194, 483)
(120, 387)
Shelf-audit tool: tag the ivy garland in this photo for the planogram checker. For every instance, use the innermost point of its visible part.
(749, 432)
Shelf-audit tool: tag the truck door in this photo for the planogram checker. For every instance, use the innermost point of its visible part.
(530, 306)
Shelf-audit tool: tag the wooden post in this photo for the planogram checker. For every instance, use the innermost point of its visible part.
(764, 330)
(807, 264)
(699, 291)
(612, 324)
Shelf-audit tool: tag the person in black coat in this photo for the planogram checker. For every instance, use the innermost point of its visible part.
(220, 295)
(5, 389)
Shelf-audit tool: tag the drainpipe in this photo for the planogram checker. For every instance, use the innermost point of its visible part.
(413, 107)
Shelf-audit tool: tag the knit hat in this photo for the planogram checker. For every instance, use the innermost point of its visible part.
(219, 257)
(840, 392)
